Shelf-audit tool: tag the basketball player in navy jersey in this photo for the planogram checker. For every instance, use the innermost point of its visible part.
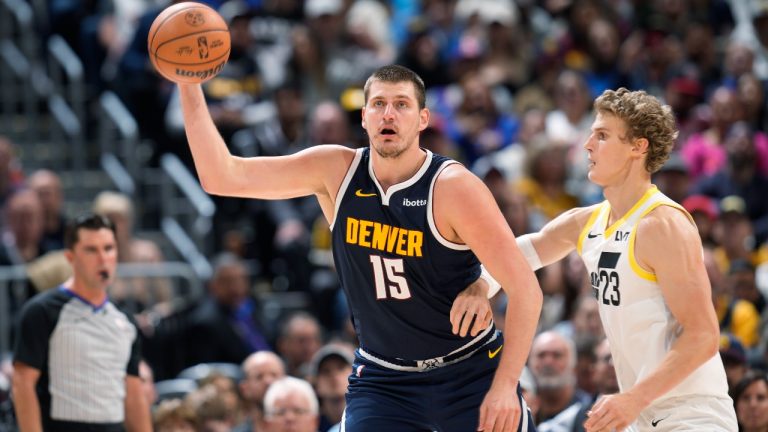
(645, 261)
(409, 230)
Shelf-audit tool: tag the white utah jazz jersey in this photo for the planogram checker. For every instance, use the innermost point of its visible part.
(637, 321)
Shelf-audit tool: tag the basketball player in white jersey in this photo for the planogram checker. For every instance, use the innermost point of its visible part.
(644, 257)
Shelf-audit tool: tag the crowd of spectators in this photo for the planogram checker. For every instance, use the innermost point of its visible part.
(510, 87)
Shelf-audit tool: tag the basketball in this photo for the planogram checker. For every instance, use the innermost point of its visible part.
(188, 42)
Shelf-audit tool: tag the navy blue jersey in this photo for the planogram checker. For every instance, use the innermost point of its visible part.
(400, 276)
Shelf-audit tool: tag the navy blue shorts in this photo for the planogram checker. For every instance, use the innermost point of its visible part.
(445, 399)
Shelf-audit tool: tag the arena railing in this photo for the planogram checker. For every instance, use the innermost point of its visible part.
(68, 75)
(193, 209)
(118, 132)
(186, 288)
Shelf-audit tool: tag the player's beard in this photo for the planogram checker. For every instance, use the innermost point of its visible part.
(390, 151)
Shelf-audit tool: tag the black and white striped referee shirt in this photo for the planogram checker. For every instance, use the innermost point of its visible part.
(83, 352)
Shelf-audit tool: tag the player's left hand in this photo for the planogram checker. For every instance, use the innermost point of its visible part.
(500, 411)
(613, 413)
(471, 303)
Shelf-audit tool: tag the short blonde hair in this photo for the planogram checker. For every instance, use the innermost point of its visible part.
(645, 117)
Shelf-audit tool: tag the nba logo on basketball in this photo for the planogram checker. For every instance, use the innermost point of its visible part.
(202, 47)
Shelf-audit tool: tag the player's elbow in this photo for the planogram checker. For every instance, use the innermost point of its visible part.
(707, 340)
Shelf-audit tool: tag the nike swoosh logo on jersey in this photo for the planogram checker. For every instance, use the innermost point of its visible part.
(657, 421)
(590, 235)
(492, 354)
(362, 194)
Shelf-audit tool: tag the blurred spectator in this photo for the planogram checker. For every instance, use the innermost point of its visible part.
(752, 94)
(214, 408)
(476, 122)
(260, 370)
(564, 284)
(11, 178)
(683, 93)
(174, 416)
(329, 371)
(511, 160)
(368, 30)
(740, 175)
(585, 322)
(603, 376)
(544, 184)
(672, 178)
(225, 326)
(737, 316)
(552, 361)
(751, 400)
(141, 293)
(299, 338)
(704, 211)
(741, 281)
(291, 405)
(421, 54)
(569, 126)
(603, 372)
(735, 234)
(508, 53)
(704, 152)
(603, 69)
(734, 358)
(22, 236)
(47, 184)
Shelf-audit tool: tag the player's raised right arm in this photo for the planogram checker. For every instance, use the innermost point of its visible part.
(318, 170)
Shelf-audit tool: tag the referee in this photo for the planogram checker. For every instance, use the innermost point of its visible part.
(76, 355)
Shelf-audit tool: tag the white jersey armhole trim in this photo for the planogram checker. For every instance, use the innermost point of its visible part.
(345, 183)
(431, 217)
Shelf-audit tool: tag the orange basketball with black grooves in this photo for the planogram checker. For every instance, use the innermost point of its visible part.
(189, 42)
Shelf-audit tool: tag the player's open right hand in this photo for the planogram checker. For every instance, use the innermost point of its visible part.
(500, 411)
(472, 303)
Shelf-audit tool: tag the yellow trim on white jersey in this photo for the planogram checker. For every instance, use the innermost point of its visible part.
(585, 230)
(646, 196)
(636, 267)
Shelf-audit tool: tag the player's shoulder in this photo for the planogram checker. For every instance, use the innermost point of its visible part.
(666, 222)
(332, 150)
(577, 217)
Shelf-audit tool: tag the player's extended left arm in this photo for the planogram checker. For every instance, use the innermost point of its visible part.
(668, 245)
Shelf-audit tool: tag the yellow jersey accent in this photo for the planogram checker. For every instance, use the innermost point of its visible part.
(362, 194)
(383, 237)
(492, 354)
(588, 225)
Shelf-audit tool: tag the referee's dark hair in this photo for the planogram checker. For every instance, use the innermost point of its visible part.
(89, 221)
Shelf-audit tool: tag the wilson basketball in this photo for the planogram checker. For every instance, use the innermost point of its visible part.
(189, 42)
